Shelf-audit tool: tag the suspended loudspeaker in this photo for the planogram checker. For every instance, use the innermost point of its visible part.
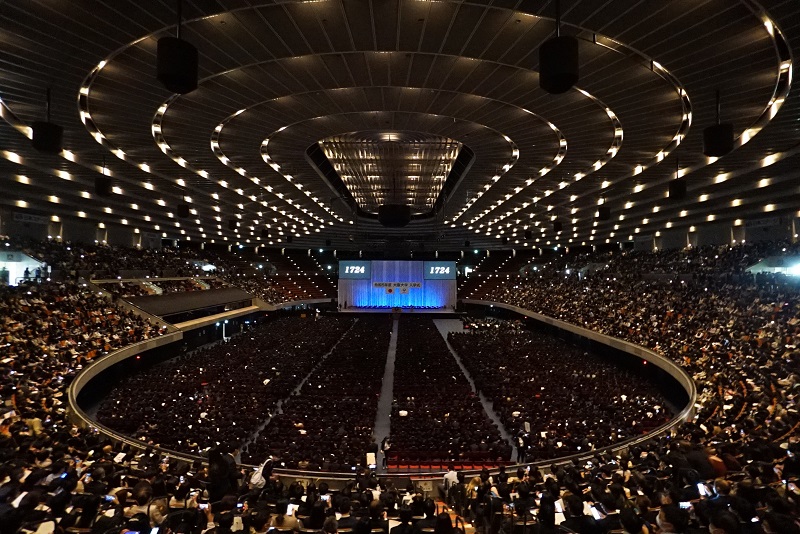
(265, 233)
(288, 239)
(558, 226)
(505, 240)
(183, 210)
(47, 137)
(718, 140)
(466, 244)
(177, 65)
(603, 213)
(232, 224)
(677, 189)
(558, 64)
(102, 186)
(327, 242)
(394, 215)
(528, 235)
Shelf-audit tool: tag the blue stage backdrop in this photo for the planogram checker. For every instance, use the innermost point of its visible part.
(390, 284)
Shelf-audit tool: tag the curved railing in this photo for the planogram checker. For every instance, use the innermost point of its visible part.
(335, 479)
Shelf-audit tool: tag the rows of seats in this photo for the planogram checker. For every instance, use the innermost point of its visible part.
(590, 401)
(734, 332)
(272, 275)
(435, 410)
(328, 424)
(220, 393)
(156, 286)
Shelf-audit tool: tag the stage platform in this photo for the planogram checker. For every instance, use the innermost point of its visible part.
(403, 311)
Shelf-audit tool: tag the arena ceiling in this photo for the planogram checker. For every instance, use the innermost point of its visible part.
(278, 77)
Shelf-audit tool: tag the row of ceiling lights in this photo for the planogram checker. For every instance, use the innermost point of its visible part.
(47, 137)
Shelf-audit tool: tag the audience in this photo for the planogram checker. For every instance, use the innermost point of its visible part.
(590, 401)
(328, 424)
(220, 393)
(736, 338)
(733, 468)
(435, 413)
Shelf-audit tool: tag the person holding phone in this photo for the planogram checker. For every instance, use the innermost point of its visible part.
(576, 520)
(282, 519)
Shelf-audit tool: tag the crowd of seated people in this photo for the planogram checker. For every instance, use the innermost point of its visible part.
(737, 338)
(124, 289)
(107, 260)
(328, 424)
(51, 329)
(709, 260)
(674, 484)
(490, 324)
(435, 413)
(75, 481)
(730, 262)
(572, 400)
(223, 392)
(143, 288)
(179, 286)
(260, 286)
(61, 477)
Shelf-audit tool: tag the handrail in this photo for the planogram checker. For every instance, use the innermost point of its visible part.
(289, 303)
(130, 306)
(100, 364)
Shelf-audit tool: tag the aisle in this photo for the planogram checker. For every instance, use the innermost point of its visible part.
(455, 325)
(383, 416)
(279, 405)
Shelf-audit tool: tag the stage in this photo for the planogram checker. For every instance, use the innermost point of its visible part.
(401, 310)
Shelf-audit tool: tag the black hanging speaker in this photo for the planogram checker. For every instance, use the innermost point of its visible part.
(265, 233)
(183, 210)
(558, 64)
(288, 239)
(394, 215)
(466, 244)
(558, 226)
(327, 242)
(718, 140)
(505, 240)
(528, 235)
(677, 189)
(102, 186)
(47, 137)
(232, 224)
(177, 65)
(603, 213)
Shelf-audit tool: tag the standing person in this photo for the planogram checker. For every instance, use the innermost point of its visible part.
(372, 449)
(232, 459)
(385, 447)
(450, 478)
(219, 479)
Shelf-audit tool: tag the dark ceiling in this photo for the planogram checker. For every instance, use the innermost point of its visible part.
(277, 77)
